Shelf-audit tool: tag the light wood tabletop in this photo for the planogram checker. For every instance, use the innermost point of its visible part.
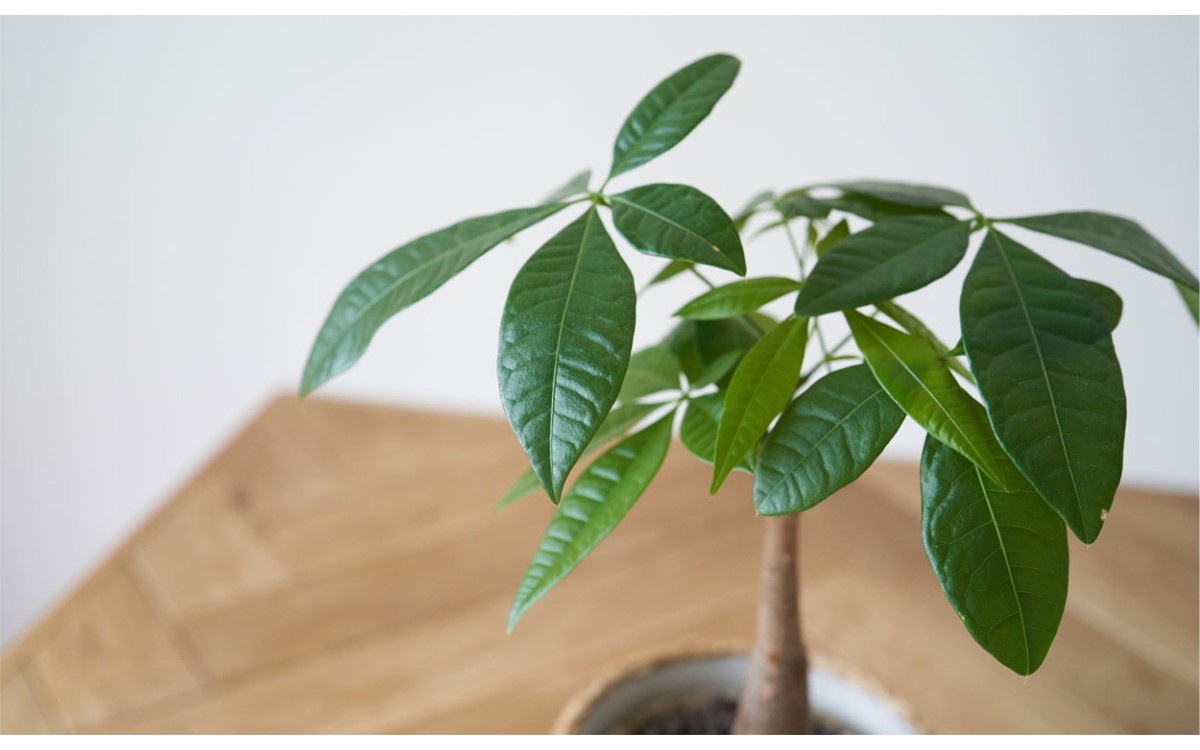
(338, 568)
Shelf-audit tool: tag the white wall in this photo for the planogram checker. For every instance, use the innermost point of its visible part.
(183, 198)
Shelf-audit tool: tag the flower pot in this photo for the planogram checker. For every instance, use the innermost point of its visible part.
(620, 701)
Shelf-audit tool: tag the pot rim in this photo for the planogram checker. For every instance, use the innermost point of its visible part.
(578, 705)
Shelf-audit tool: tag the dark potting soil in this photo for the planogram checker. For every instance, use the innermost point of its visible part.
(714, 716)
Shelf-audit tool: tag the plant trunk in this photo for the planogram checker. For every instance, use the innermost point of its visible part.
(775, 697)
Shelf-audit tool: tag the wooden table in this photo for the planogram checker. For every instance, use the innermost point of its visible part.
(338, 569)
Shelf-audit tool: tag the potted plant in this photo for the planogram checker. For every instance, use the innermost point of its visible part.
(1004, 473)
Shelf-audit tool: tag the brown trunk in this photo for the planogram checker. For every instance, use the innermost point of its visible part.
(775, 697)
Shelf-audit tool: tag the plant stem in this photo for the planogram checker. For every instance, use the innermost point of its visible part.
(775, 696)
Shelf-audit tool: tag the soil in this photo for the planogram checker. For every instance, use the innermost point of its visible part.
(714, 716)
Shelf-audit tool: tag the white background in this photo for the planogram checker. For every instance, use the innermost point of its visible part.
(182, 199)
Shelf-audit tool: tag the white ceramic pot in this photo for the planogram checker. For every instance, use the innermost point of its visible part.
(618, 700)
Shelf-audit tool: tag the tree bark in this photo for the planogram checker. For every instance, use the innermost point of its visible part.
(775, 696)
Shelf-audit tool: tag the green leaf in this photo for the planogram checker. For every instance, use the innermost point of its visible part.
(904, 193)
(402, 277)
(761, 386)
(826, 438)
(698, 430)
(597, 502)
(737, 298)
(958, 351)
(840, 231)
(619, 421)
(671, 110)
(683, 344)
(679, 222)
(652, 370)
(670, 271)
(876, 210)
(565, 338)
(915, 376)
(798, 203)
(1041, 352)
(1000, 556)
(719, 368)
(1112, 234)
(884, 261)
(1109, 301)
(575, 186)
(755, 204)
(1192, 301)
(916, 327)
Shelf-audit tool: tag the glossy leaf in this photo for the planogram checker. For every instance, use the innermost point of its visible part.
(737, 298)
(402, 277)
(826, 438)
(565, 339)
(1042, 354)
(698, 429)
(671, 110)
(904, 193)
(916, 377)
(651, 370)
(1001, 557)
(1191, 300)
(1112, 234)
(916, 327)
(619, 421)
(679, 222)
(597, 502)
(884, 261)
(718, 369)
(761, 386)
(840, 231)
(577, 185)
(1110, 302)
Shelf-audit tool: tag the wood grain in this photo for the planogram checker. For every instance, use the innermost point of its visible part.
(338, 569)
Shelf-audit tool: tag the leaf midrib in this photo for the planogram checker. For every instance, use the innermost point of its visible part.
(672, 222)
(619, 166)
(562, 324)
(987, 498)
(1037, 346)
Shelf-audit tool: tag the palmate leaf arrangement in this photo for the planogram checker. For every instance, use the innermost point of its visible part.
(1001, 476)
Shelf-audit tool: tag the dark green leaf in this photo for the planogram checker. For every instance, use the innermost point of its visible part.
(683, 344)
(904, 193)
(565, 339)
(796, 204)
(840, 231)
(671, 110)
(698, 430)
(717, 338)
(761, 386)
(679, 222)
(916, 327)
(597, 502)
(877, 210)
(737, 298)
(915, 376)
(827, 437)
(884, 261)
(741, 218)
(575, 186)
(652, 370)
(1041, 352)
(1112, 234)
(618, 422)
(1001, 557)
(1191, 299)
(1109, 301)
(720, 367)
(402, 277)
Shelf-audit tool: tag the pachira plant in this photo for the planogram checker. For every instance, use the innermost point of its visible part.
(1025, 415)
